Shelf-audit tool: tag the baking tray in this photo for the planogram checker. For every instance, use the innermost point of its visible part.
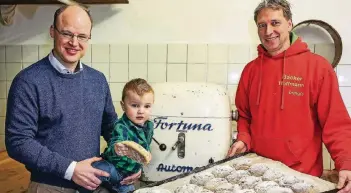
(195, 170)
(331, 191)
(200, 169)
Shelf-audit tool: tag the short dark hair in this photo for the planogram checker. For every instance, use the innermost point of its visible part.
(63, 8)
(275, 5)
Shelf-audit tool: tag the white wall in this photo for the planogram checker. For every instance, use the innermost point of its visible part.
(173, 21)
(217, 38)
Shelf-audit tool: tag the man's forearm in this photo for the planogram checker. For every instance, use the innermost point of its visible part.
(35, 156)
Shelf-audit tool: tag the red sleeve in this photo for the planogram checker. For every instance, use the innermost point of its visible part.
(242, 105)
(334, 120)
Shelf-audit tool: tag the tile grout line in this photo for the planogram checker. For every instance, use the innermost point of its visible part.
(147, 62)
(167, 54)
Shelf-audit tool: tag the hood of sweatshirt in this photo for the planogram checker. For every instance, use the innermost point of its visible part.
(296, 47)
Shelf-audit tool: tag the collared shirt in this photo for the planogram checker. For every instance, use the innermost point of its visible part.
(126, 130)
(60, 67)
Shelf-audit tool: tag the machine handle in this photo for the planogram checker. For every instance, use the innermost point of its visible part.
(162, 146)
(174, 147)
(180, 145)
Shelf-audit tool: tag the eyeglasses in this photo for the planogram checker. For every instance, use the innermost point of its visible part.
(70, 35)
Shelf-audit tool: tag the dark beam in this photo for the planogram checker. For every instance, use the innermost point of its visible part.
(18, 2)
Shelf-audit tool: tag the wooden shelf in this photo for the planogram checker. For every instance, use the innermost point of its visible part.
(17, 2)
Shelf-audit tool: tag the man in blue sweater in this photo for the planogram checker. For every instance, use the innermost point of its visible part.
(57, 110)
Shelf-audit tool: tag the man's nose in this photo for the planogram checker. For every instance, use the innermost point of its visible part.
(269, 30)
(74, 41)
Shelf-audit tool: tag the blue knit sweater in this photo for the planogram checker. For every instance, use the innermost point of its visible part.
(53, 119)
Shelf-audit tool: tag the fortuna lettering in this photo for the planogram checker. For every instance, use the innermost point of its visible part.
(160, 122)
(173, 168)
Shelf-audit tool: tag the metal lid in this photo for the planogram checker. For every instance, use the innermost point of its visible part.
(332, 32)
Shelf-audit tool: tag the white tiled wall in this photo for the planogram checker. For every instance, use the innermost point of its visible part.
(215, 63)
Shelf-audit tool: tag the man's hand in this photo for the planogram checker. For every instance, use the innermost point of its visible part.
(85, 175)
(237, 147)
(344, 181)
(131, 179)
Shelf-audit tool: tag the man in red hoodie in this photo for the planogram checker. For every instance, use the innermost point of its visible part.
(289, 101)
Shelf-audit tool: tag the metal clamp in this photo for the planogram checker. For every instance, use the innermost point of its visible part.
(180, 145)
(235, 115)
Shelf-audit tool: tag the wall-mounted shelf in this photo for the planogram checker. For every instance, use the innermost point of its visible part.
(18, 2)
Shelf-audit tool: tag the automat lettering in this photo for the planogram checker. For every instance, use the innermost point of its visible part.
(167, 168)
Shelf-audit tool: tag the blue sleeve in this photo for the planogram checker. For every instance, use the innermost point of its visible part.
(21, 127)
(109, 116)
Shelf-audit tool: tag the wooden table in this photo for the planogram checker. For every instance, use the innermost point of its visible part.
(14, 178)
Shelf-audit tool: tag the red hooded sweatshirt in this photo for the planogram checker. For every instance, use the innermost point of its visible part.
(288, 104)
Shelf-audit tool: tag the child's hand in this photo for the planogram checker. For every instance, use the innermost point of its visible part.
(131, 179)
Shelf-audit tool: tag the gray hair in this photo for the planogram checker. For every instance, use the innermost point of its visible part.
(275, 5)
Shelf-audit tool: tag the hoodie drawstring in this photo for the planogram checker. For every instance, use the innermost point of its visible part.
(282, 97)
(260, 82)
